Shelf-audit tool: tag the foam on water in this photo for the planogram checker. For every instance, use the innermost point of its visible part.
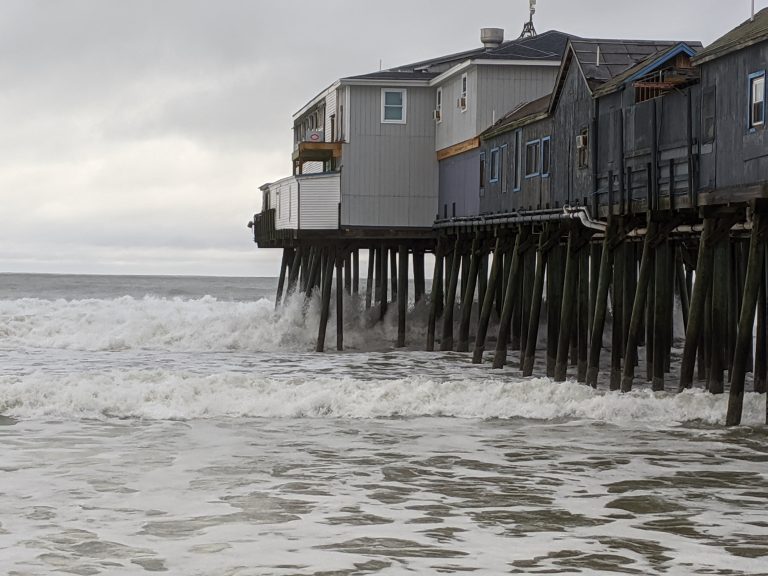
(162, 395)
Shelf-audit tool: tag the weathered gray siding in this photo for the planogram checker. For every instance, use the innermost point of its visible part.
(739, 156)
(457, 125)
(504, 88)
(389, 171)
(573, 113)
(459, 185)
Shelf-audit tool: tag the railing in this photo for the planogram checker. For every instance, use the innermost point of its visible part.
(264, 230)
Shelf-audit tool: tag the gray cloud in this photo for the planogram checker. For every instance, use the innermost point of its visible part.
(135, 134)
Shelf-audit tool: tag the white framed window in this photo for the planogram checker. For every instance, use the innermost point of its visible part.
(546, 145)
(495, 165)
(532, 158)
(757, 99)
(462, 102)
(439, 105)
(394, 103)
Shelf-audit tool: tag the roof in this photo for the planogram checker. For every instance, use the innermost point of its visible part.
(547, 47)
(522, 115)
(647, 65)
(748, 33)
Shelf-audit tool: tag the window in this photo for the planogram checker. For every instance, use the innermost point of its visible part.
(482, 173)
(518, 167)
(582, 148)
(532, 158)
(502, 164)
(545, 152)
(708, 115)
(393, 106)
(439, 105)
(757, 99)
(494, 165)
(463, 97)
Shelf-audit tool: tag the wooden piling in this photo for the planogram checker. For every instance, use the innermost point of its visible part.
(535, 311)
(662, 316)
(436, 297)
(371, 280)
(761, 340)
(583, 314)
(682, 285)
(704, 268)
(383, 282)
(554, 301)
(356, 271)
(446, 344)
(529, 280)
(617, 336)
(570, 290)
(600, 306)
(347, 266)
(342, 263)
(419, 285)
(293, 277)
(393, 266)
(746, 319)
(468, 298)
(287, 252)
(719, 334)
(487, 308)
(638, 308)
(510, 295)
(402, 295)
(325, 302)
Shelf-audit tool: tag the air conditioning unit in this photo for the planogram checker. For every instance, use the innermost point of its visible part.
(315, 136)
(462, 102)
(581, 141)
(437, 115)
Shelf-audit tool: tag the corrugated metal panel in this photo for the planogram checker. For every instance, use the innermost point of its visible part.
(320, 197)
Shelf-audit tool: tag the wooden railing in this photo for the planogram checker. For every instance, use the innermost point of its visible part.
(264, 230)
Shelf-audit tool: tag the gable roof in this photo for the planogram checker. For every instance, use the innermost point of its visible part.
(646, 66)
(523, 115)
(748, 33)
(601, 60)
(546, 47)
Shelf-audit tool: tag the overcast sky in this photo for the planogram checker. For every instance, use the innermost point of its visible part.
(134, 134)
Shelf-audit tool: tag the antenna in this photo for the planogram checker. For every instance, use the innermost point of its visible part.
(528, 29)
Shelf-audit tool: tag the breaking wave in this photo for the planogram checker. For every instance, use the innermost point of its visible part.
(163, 395)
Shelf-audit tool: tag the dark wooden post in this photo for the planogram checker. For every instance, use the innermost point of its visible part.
(402, 295)
(436, 297)
(347, 265)
(287, 253)
(662, 316)
(704, 268)
(568, 307)
(340, 266)
(383, 298)
(583, 314)
(482, 279)
(293, 277)
(371, 281)
(510, 296)
(487, 309)
(682, 285)
(746, 320)
(393, 265)
(529, 280)
(469, 295)
(356, 271)
(617, 336)
(419, 285)
(325, 303)
(601, 306)
(554, 301)
(761, 341)
(535, 313)
(638, 309)
(446, 343)
(719, 335)
(465, 264)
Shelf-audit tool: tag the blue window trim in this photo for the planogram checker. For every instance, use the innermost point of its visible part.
(518, 174)
(753, 76)
(502, 173)
(491, 179)
(538, 172)
(541, 164)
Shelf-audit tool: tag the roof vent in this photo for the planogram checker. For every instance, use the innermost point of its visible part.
(491, 37)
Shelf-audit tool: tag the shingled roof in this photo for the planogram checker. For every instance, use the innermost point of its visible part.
(546, 47)
(524, 114)
(750, 32)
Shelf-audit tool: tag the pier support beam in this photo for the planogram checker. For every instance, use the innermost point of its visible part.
(583, 314)
(721, 277)
(617, 332)
(468, 298)
(568, 307)
(419, 285)
(371, 280)
(662, 315)
(600, 306)
(487, 309)
(284, 265)
(746, 319)
(293, 277)
(554, 301)
(383, 282)
(510, 297)
(402, 295)
(446, 344)
(437, 294)
(340, 288)
(535, 312)
(326, 301)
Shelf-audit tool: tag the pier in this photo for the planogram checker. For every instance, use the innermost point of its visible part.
(593, 217)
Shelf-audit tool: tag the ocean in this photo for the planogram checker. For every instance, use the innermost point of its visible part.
(181, 425)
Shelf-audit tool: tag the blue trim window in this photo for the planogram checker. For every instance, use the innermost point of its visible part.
(518, 166)
(503, 153)
(545, 155)
(494, 165)
(482, 173)
(756, 113)
(532, 158)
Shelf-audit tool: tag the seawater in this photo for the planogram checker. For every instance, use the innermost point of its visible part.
(181, 425)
